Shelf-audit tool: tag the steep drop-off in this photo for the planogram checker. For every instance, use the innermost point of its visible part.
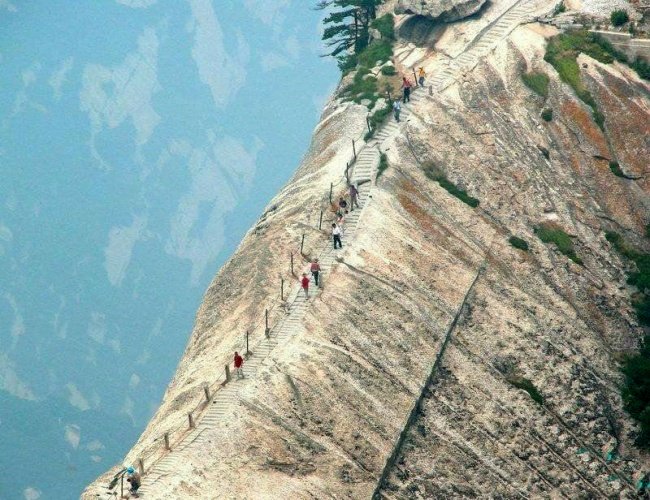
(438, 361)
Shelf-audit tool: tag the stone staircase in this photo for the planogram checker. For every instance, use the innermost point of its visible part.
(225, 401)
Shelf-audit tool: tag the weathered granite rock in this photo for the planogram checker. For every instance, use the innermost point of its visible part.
(442, 10)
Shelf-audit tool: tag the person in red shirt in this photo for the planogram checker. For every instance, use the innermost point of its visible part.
(305, 285)
(239, 363)
(315, 270)
(406, 87)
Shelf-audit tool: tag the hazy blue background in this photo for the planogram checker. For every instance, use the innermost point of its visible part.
(139, 139)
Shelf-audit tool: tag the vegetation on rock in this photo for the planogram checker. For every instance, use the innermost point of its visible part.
(526, 385)
(518, 243)
(547, 114)
(435, 174)
(619, 17)
(636, 368)
(537, 82)
(616, 169)
(385, 25)
(551, 233)
(383, 164)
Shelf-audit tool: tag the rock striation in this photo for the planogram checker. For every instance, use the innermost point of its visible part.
(437, 361)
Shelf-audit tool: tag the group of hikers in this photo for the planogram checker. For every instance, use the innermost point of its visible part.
(406, 92)
(133, 477)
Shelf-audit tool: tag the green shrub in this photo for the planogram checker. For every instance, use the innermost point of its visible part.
(537, 82)
(547, 114)
(383, 164)
(636, 368)
(378, 51)
(518, 243)
(559, 9)
(562, 52)
(435, 174)
(346, 63)
(363, 86)
(616, 169)
(528, 386)
(642, 68)
(388, 70)
(550, 233)
(647, 231)
(639, 278)
(636, 391)
(385, 25)
(619, 17)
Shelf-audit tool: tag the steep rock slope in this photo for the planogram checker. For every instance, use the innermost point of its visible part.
(329, 413)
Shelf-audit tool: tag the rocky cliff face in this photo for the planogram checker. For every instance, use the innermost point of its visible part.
(437, 361)
(442, 10)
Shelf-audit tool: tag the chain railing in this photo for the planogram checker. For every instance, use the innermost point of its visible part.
(273, 314)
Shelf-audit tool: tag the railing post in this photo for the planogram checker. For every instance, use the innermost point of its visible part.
(281, 297)
(416, 78)
(141, 466)
(166, 437)
(302, 243)
(389, 97)
(368, 123)
(320, 221)
(206, 391)
(347, 173)
(292, 264)
(247, 351)
(227, 373)
(190, 420)
(430, 89)
(331, 190)
(267, 330)
(354, 150)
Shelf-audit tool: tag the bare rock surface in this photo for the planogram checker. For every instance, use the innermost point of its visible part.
(440, 10)
(438, 361)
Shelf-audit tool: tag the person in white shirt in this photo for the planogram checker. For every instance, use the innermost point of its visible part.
(336, 235)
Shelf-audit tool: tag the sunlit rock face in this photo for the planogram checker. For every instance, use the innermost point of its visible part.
(511, 356)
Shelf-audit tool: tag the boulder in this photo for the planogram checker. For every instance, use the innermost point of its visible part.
(442, 10)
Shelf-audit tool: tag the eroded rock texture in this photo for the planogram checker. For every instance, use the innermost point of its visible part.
(523, 401)
(442, 10)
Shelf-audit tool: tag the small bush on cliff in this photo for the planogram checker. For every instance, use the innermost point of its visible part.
(385, 25)
(640, 277)
(619, 17)
(642, 68)
(550, 233)
(526, 385)
(383, 165)
(537, 82)
(378, 51)
(636, 391)
(547, 114)
(435, 174)
(388, 70)
(518, 243)
(616, 169)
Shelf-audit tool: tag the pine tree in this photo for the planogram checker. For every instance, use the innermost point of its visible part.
(346, 28)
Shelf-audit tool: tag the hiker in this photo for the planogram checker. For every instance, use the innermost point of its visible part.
(315, 270)
(336, 235)
(421, 75)
(354, 193)
(134, 480)
(239, 362)
(342, 204)
(305, 285)
(406, 87)
(340, 222)
(397, 109)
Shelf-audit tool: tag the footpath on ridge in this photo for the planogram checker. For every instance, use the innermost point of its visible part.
(224, 401)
